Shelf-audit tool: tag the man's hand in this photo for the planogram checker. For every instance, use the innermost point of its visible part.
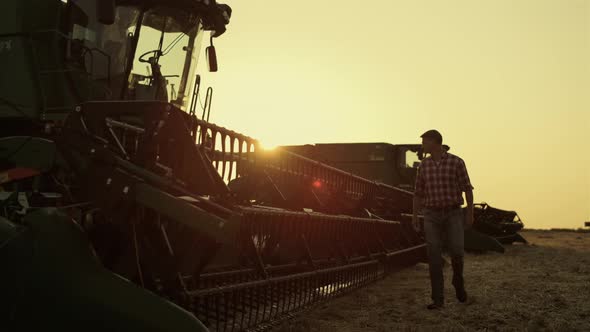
(469, 218)
(416, 222)
(417, 206)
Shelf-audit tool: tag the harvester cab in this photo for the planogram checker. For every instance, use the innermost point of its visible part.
(66, 52)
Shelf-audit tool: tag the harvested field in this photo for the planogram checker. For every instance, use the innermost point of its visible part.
(543, 286)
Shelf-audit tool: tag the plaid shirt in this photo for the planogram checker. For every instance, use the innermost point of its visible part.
(442, 184)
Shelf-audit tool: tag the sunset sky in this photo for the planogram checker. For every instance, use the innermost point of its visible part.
(507, 82)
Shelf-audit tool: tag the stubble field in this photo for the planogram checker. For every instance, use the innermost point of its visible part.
(542, 286)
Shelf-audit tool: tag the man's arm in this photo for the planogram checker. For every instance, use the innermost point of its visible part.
(419, 191)
(469, 199)
(467, 188)
(417, 206)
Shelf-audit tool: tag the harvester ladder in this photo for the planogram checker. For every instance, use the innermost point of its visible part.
(43, 72)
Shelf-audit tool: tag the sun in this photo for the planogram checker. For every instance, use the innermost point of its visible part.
(267, 146)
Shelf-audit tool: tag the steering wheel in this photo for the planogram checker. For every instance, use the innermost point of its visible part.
(155, 52)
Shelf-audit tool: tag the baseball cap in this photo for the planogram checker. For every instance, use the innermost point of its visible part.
(434, 135)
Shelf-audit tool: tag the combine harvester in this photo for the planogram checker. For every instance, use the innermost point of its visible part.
(396, 165)
(121, 210)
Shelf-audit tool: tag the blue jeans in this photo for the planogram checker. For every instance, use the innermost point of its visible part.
(444, 229)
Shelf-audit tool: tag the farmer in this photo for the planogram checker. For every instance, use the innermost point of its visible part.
(441, 180)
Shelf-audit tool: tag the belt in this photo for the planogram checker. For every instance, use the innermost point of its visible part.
(444, 208)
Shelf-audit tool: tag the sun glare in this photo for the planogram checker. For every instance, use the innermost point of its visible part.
(268, 147)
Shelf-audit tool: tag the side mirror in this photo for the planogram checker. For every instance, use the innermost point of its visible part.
(105, 10)
(212, 58)
(211, 55)
(420, 154)
(77, 16)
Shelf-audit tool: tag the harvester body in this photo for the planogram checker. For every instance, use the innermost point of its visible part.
(122, 209)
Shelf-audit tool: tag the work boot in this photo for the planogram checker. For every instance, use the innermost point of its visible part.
(461, 294)
(458, 282)
(435, 306)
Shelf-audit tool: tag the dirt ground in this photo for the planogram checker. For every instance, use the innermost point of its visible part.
(542, 286)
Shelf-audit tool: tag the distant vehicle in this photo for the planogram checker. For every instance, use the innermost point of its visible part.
(396, 165)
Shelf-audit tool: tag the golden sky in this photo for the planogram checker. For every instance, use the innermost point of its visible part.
(507, 82)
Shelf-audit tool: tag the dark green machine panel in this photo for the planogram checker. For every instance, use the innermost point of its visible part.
(32, 51)
(380, 162)
(55, 283)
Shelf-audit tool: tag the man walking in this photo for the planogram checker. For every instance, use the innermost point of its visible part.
(441, 180)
